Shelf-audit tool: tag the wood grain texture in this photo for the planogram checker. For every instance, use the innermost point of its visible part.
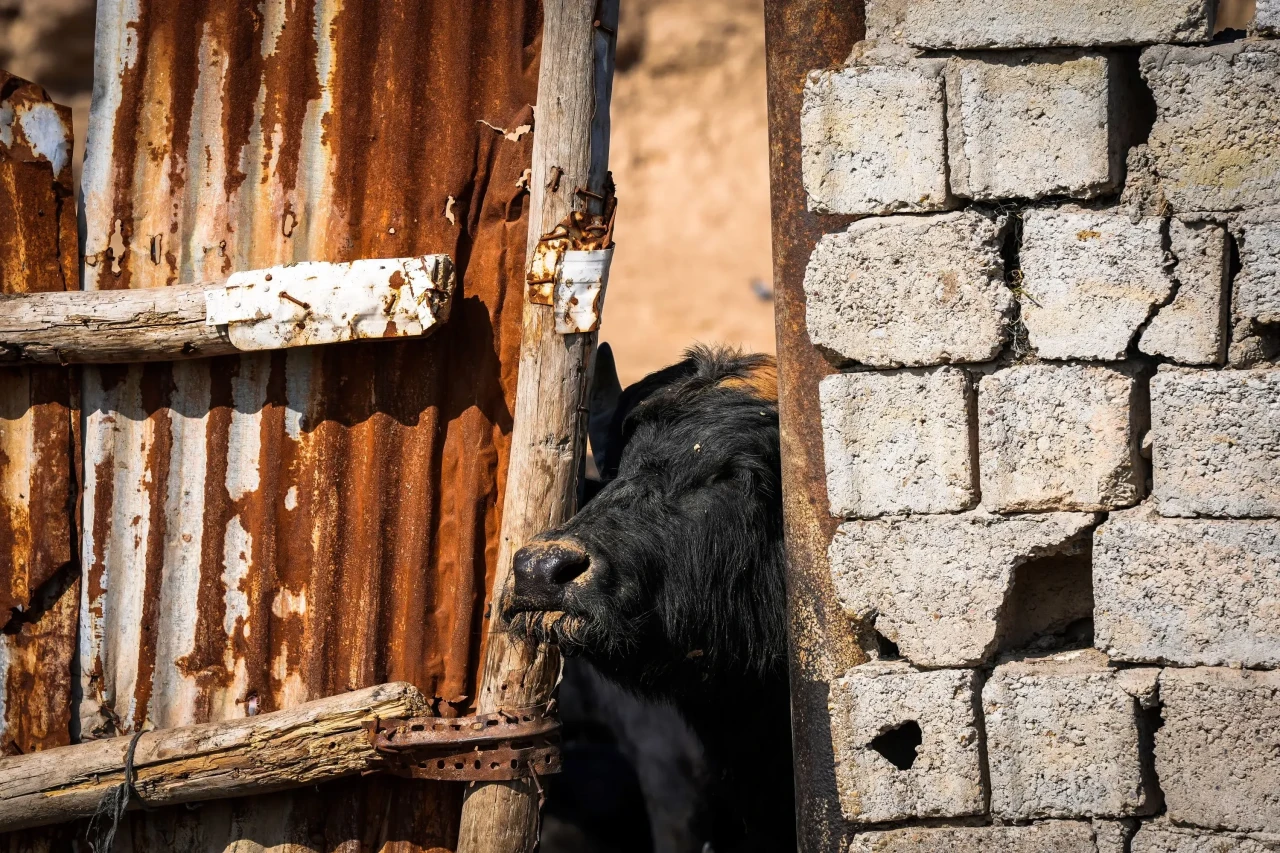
(311, 743)
(574, 84)
(108, 326)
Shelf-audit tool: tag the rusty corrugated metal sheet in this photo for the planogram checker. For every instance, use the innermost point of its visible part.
(801, 35)
(38, 580)
(260, 530)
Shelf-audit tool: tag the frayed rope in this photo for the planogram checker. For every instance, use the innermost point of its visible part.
(101, 831)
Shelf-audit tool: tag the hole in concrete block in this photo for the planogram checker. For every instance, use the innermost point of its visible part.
(899, 745)
(1133, 104)
(1149, 723)
(1252, 344)
(1019, 346)
(888, 648)
(1051, 603)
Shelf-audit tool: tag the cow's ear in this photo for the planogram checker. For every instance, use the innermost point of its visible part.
(602, 403)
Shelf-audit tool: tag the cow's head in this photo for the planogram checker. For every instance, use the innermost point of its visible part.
(671, 575)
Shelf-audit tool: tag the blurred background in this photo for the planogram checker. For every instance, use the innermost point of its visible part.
(690, 157)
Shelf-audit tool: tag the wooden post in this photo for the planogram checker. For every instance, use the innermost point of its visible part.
(570, 151)
(311, 743)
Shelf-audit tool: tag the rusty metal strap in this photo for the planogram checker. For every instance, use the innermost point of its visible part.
(485, 747)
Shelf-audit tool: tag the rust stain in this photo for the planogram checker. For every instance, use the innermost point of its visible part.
(313, 521)
(801, 35)
(39, 598)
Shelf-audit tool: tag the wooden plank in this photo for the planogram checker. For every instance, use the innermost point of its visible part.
(285, 306)
(311, 743)
(570, 151)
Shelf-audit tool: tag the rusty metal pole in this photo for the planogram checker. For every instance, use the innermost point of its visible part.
(802, 35)
(570, 153)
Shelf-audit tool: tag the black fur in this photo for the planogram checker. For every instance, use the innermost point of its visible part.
(683, 597)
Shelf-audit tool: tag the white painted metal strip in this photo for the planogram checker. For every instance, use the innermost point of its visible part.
(321, 303)
(580, 288)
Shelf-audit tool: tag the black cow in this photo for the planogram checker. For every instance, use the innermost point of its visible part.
(670, 579)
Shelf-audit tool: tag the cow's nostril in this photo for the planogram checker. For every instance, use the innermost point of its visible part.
(570, 568)
(550, 564)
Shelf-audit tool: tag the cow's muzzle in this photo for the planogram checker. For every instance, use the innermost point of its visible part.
(542, 572)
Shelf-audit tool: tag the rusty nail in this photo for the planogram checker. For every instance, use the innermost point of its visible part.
(588, 193)
(554, 184)
(298, 302)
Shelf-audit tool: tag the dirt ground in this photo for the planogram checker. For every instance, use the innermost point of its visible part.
(690, 157)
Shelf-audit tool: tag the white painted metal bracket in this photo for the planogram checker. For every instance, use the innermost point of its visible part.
(321, 303)
(580, 286)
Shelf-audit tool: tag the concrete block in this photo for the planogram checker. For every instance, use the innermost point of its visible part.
(1257, 287)
(1187, 591)
(1054, 836)
(1255, 321)
(1266, 20)
(898, 441)
(911, 745)
(1059, 437)
(1064, 739)
(1192, 329)
(975, 24)
(1218, 753)
(1113, 836)
(1091, 279)
(910, 291)
(1214, 142)
(874, 139)
(1216, 442)
(1030, 125)
(937, 585)
(1163, 837)
(885, 20)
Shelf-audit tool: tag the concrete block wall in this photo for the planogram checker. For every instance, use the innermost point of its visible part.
(1052, 428)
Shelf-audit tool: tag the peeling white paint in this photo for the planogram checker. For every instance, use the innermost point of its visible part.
(244, 438)
(115, 51)
(289, 603)
(206, 147)
(272, 25)
(290, 690)
(46, 134)
(115, 426)
(174, 691)
(319, 303)
(236, 550)
(580, 287)
(291, 498)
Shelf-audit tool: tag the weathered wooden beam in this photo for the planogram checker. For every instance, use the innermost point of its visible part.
(569, 173)
(285, 306)
(311, 743)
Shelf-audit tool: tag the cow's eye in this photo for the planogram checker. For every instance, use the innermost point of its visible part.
(721, 475)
